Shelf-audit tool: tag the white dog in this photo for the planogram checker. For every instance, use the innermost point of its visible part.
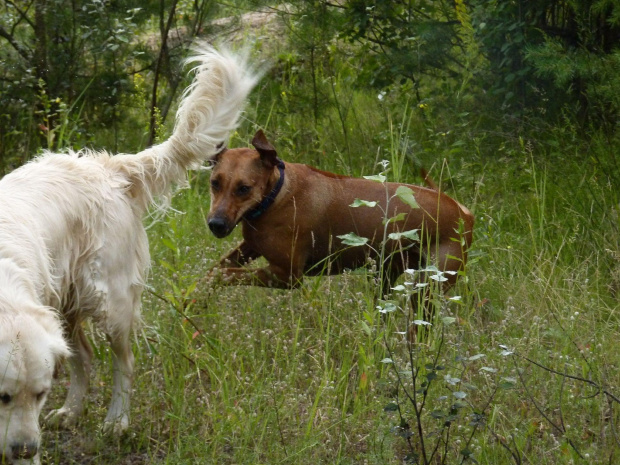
(72, 246)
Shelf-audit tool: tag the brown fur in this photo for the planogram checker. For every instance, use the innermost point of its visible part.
(298, 233)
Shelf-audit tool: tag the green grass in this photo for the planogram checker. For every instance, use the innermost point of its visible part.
(250, 375)
(259, 376)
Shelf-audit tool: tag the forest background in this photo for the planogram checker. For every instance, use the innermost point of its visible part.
(512, 106)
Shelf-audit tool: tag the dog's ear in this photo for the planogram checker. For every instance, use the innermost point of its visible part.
(60, 351)
(221, 148)
(268, 154)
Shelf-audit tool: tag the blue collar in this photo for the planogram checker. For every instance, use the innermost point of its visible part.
(269, 199)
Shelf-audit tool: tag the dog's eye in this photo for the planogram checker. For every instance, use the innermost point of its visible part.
(215, 185)
(243, 190)
(5, 398)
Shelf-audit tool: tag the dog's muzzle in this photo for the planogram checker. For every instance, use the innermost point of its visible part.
(219, 227)
(25, 451)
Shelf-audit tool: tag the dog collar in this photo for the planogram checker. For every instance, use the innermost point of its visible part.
(267, 201)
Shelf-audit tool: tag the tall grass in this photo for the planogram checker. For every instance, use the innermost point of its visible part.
(250, 375)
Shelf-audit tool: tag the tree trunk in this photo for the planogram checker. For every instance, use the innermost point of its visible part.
(40, 36)
(163, 55)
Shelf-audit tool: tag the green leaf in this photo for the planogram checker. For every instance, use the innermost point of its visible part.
(353, 239)
(169, 244)
(191, 288)
(506, 385)
(363, 203)
(394, 219)
(388, 307)
(405, 194)
(391, 407)
(376, 177)
(448, 320)
(439, 277)
(411, 235)
(167, 265)
(459, 394)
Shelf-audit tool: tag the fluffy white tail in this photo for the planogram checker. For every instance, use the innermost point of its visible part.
(208, 113)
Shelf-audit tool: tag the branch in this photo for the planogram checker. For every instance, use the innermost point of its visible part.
(162, 52)
(401, 384)
(418, 411)
(179, 311)
(515, 454)
(22, 14)
(16, 45)
(576, 378)
(559, 428)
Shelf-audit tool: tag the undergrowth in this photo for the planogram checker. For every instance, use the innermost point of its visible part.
(522, 368)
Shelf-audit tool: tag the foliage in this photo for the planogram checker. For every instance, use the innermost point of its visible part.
(80, 60)
(518, 365)
(552, 55)
(404, 39)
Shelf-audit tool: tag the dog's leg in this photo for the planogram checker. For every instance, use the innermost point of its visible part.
(270, 276)
(117, 419)
(239, 256)
(280, 276)
(449, 256)
(79, 371)
(393, 267)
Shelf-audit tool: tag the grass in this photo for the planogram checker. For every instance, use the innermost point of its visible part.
(251, 375)
(259, 376)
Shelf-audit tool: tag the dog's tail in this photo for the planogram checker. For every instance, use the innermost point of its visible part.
(208, 113)
(427, 180)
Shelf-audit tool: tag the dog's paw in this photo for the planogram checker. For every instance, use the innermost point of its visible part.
(64, 417)
(116, 426)
(213, 278)
(33, 461)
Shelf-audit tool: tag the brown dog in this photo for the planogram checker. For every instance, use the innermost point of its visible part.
(293, 215)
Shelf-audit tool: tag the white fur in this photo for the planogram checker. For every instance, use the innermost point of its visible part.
(72, 246)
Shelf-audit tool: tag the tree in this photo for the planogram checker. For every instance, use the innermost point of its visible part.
(552, 55)
(405, 39)
(62, 60)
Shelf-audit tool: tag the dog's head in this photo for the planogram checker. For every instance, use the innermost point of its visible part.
(30, 348)
(239, 181)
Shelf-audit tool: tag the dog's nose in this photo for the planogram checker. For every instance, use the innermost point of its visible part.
(24, 451)
(219, 227)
